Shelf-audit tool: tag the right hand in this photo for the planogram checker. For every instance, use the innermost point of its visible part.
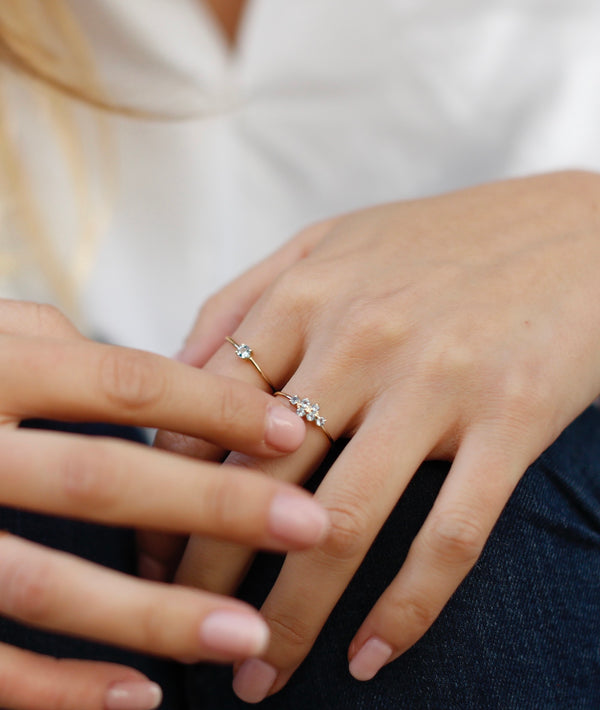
(50, 370)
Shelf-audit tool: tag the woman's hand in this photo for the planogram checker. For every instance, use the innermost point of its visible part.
(463, 327)
(49, 370)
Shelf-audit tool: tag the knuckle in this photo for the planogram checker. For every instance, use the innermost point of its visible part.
(345, 540)
(521, 394)
(49, 320)
(223, 504)
(296, 294)
(419, 614)
(374, 324)
(152, 628)
(290, 633)
(90, 476)
(518, 401)
(457, 537)
(130, 379)
(25, 590)
(228, 409)
(447, 359)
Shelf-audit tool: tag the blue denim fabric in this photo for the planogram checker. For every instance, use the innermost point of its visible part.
(522, 632)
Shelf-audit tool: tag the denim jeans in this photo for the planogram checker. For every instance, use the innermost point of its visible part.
(522, 631)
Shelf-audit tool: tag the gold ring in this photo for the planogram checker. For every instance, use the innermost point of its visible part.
(244, 352)
(308, 410)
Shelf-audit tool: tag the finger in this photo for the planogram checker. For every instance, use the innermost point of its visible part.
(81, 380)
(279, 349)
(210, 564)
(359, 492)
(120, 483)
(451, 540)
(213, 565)
(223, 312)
(34, 319)
(216, 566)
(219, 566)
(29, 681)
(59, 592)
(160, 554)
(274, 330)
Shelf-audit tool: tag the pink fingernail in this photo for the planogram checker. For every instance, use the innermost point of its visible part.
(235, 633)
(195, 354)
(374, 654)
(182, 356)
(253, 680)
(133, 695)
(284, 429)
(297, 518)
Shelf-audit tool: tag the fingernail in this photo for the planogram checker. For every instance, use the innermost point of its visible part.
(194, 354)
(235, 633)
(297, 518)
(133, 695)
(182, 356)
(284, 429)
(374, 654)
(253, 680)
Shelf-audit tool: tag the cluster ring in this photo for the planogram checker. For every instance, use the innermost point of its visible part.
(308, 410)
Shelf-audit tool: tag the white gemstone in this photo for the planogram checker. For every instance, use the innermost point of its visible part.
(244, 351)
(294, 399)
(310, 414)
(305, 402)
(320, 421)
(300, 411)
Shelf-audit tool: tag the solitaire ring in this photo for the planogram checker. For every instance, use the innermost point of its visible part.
(308, 410)
(244, 352)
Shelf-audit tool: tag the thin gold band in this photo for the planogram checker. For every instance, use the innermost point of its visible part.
(244, 352)
(306, 409)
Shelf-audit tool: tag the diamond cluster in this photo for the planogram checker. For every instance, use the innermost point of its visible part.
(243, 351)
(304, 408)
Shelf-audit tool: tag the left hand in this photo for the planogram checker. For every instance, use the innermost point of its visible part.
(463, 327)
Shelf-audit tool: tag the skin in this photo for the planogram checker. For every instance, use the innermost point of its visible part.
(463, 327)
(50, 370)
(228, 14)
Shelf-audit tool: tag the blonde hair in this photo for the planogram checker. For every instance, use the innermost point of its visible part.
(44, 50)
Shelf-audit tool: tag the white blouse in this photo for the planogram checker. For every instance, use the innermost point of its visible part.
(323, 107)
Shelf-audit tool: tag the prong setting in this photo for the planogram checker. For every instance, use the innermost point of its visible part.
(307, 410)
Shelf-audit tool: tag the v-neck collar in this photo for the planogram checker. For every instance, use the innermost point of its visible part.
(230, 52)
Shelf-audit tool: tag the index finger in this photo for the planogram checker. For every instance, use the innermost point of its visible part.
(78, 380)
